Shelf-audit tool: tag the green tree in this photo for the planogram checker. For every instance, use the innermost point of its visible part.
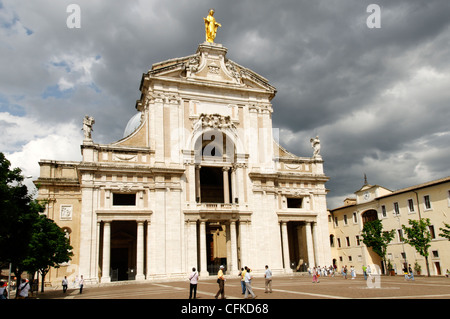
(418, 236)
(374, 237)
(18, 213)
(49, 247)
(445, 231)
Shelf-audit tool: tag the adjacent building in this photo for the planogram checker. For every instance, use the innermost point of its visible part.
(394, 208)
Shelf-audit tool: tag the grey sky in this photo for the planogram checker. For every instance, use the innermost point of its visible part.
(379, 99)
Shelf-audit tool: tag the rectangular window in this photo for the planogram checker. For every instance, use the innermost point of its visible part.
(400, 235)
(448, 198)
(336, 221)
(427, 201)
(339, 242)
(357, 240)
(355, 218)
(294, 202)
(348, 241)
(396, 209)
(410, 205)
(383, 210)
(435, 253)
(345, 220)
(432, 233)
(124, 199)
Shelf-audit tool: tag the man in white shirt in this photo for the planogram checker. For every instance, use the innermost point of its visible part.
(193, 279)
(248, 284)
(23, 289)
(268, 279)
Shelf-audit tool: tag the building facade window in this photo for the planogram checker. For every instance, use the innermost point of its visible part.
(432, 232)
(120, 199)
(427, 202)
(400, 235)
(396, 209)
(383, 211)
(294, 202)
(411, 205)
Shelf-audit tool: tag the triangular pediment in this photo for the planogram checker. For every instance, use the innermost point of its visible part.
(210, 65)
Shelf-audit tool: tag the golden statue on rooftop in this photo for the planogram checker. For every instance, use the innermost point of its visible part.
(211, 26)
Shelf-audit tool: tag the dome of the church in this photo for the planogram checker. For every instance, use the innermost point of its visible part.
(133, 124)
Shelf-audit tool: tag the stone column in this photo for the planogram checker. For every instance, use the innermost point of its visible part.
(314, 231)
(191, 238)
(309, 245)
(226, 188)
(140, 251)
(234, 266)
(203, 264)
(106, 264)
(151, 251)
(285, 243)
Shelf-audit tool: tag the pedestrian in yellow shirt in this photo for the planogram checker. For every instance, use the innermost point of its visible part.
(221, 282)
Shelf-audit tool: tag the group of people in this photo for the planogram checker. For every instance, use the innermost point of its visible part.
(76, 282)
(408, 272)
(246, 282)
(22, 290)
(316, 272)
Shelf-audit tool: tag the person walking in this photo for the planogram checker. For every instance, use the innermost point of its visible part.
(193, 281)
(221, 282)
(22, 291)
(268, 279)
(3, 290)
(364, 268)
(315, 274)
(248, 284)
(242, 275)
(81, 284)
(353, 272)
(64, 284)
(411, 274)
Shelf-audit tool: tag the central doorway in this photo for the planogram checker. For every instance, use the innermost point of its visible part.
(123, 250)
(216, 247)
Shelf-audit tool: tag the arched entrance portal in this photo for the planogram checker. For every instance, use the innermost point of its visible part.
(369, 216)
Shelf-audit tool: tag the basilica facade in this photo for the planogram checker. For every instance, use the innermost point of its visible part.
(198, 180)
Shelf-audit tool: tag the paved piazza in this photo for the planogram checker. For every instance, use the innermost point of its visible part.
(285, 287)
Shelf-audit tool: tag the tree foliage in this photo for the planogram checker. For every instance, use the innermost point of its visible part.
(445, 231)
(418, 236)
(374, 237)
(28, 240)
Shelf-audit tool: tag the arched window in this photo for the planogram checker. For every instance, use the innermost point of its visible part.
(369, 216)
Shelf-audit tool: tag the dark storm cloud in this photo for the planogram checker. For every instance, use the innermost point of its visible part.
(377, 98)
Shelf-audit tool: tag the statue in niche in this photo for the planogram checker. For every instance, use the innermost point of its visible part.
(88, 122)
(211, 26)
(315, 143)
